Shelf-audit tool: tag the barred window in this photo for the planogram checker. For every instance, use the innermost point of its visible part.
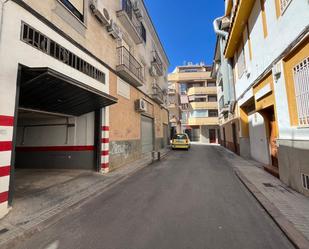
(241, 63)
(284, 4)
(301, 83)
(41, 42)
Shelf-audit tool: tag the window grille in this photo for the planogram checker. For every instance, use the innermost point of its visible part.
(284, 4)
(301, 82)
(241, 63)
(46, 45)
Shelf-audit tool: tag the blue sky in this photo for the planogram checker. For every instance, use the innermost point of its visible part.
(185, 29)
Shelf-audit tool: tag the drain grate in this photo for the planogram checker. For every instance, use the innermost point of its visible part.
(4, 230)
(268, 185)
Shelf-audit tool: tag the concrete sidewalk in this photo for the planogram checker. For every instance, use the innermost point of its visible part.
(288, 208)
(42, 207)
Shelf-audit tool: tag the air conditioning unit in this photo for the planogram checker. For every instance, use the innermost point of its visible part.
(140, 105)
(137, 10)
(114, 30)
(100, 12)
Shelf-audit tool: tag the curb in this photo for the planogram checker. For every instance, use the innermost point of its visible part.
(296, 237)
(67, 210)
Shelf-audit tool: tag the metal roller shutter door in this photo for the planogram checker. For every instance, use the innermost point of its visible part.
(147, 134)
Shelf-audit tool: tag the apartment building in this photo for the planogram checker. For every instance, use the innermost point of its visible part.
(196, 93)
(222, 71)
(268, 44)
(83, 86)
(174, 108)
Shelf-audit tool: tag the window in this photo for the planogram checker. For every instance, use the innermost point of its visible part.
(212, 98)
(211, 84)
(199, 114)
(283, 5)
(143, 33)
(76, 7)
(213, 113)
(301, 81)
(262, 2)
(183, 88)
(241, 62)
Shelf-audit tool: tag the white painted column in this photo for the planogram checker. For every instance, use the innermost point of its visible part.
(105, 141)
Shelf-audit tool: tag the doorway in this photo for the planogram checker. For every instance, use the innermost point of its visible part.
(272, 133)
(212, 136)
(235, 138)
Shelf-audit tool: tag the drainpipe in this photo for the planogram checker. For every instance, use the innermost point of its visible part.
(1, 15)
(229, 70)
(218, 31)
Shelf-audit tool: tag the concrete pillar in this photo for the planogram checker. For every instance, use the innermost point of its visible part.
(105, 141)
(6, 131)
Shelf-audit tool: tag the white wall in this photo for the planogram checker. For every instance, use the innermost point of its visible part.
(23, 53)
(281, 32)
(258, 140)
(81, 134)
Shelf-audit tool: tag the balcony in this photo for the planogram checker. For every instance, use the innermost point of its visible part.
(129, 21)
(190, 76)
(157, 64)
(129, 68)
(204, 105)
(203, 121)
(202, 90)
(157, 94)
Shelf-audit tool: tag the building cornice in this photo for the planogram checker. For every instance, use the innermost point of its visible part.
(243, 11)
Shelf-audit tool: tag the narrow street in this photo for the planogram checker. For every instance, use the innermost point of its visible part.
(192, 199)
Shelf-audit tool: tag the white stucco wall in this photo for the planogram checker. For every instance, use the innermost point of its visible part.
(281, 32)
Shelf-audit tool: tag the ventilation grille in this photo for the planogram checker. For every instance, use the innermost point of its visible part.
(41, 42)
(305, 181)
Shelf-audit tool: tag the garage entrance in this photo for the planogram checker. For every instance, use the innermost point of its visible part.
(58, 130)
(147, 130)
(50, 141)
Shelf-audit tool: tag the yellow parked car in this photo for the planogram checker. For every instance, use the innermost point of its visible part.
(181, 141)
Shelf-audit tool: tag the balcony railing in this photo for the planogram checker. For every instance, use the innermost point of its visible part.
(131, 23)
(203, 121)
(157, 63)
(202, 90)
(129, 67)
(204, 105)
(157, 93)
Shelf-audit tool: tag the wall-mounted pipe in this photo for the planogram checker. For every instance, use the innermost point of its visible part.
(1, 15)
(226, 64)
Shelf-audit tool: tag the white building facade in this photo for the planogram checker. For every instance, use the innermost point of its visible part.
(268, 42)
(64, 65)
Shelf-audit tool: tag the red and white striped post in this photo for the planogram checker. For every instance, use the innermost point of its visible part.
(6, 145)
(105, 141)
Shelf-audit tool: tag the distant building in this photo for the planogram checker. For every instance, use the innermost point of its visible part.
(194, 106)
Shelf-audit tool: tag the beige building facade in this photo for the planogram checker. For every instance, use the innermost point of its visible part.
(196, 93)
(83, 86)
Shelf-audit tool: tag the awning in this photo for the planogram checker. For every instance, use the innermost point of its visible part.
(48, 90)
